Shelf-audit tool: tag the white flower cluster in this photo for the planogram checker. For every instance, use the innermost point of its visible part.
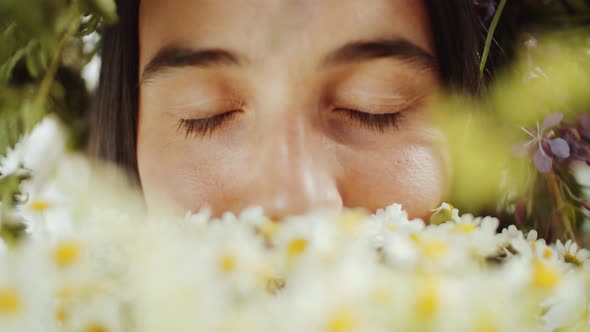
(95, 262)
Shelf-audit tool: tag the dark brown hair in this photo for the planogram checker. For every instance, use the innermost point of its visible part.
(114, 116)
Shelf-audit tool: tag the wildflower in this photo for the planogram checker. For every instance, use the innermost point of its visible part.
(347, 272)
(444, 213)
(577, 137)
(571, 253)
(11, 162)
(543, 145)
(529, 248)
(38, 152)
(384, 222)
(491, 10)
(507, 236)
(584, 122)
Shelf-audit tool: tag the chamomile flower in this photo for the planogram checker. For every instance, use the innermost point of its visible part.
(571, 253)
(444, 213)
(95, 261)
(12, 161)
(382, 225)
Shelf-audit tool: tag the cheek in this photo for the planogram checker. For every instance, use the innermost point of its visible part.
(183, 174)
(412, 175)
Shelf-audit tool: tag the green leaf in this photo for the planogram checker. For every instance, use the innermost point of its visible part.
(10, 129)
(7, 68)
(106, 8)
(33, 65)
(9, 42)
(31, 115)
(490, 36)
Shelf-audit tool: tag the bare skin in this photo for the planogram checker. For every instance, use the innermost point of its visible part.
(293, 105)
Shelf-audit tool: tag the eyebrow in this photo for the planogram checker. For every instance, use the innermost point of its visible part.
(171, 57)
(358, 51)
(381, 48)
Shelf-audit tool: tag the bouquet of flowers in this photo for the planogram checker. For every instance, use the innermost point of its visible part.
(94, 261)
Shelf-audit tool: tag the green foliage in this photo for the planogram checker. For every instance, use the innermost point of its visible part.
(41, 58)
(490, 35)
(522, 18)
(483, 135)
(37, 36)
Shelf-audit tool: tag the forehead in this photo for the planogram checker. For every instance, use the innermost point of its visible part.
(262, 28)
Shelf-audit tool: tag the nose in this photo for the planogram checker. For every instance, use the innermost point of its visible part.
(291, 174)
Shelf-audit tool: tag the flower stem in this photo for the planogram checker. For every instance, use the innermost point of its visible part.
(490, 36)
(553, 181)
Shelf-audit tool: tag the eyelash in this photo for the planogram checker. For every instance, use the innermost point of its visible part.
(377, 122)
(206, 127)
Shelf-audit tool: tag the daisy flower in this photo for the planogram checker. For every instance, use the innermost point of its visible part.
(571, 253)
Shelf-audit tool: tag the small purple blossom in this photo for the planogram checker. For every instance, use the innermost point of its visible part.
(543, 144)
(584, 121)
(491, 10)
(577, 137)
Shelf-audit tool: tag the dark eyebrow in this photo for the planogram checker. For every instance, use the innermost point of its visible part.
(381, 48)
(170, 57)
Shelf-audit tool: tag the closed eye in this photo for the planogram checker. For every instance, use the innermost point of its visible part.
(372, 121)
(206, 126)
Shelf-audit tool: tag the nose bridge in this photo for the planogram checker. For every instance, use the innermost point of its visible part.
(293, 177)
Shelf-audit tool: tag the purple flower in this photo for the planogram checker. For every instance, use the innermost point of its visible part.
(585, 126)
(544, 145)
(577, 137)
(491, 10)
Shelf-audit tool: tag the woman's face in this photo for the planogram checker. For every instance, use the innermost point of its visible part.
(289, 104)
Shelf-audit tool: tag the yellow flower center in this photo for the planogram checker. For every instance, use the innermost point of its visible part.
(381, 297)
(544, 276)
(39, 205)
(351, 219)
(61, 315)
(570, 258)
(434, 248)
(95, 327)
(9, 301)
(227, 263)
(296, 247)
(268, 229)
(428, 302)
(464, 228)
(341, 322)
(66, 253)
(486, 324)
(547, 253)
(64, 292)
